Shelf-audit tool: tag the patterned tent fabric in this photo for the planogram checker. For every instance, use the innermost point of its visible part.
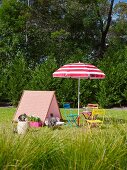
(79, 70)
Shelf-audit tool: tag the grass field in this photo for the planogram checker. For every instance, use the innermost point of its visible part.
(68, 148)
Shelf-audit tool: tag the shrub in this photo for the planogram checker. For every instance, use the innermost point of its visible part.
(34, 119)
(111, 91)
(17, 78)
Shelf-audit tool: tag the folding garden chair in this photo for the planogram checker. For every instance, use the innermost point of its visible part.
(91, 106)
(70, 117)
(87, 113)
(96, 120)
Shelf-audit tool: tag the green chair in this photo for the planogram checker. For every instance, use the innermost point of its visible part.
(70, 117)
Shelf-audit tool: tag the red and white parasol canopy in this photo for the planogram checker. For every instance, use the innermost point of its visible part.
(79, 70)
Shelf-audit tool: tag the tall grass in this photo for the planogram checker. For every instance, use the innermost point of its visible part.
(70, 148)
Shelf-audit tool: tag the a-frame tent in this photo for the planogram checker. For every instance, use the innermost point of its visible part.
(38, 103)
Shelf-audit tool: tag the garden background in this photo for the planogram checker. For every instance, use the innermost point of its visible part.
(38, 37)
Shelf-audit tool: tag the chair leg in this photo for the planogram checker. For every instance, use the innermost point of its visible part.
(68, 122)
(89, 125)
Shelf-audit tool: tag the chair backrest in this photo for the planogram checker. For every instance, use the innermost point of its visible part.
(67, 110)
(97, 112)
(66, 106)
(93, 106)
(90, 107)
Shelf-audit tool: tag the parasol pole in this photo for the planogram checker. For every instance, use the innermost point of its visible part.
(78, 98)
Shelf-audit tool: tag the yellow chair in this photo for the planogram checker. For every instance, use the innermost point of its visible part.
(95, 121)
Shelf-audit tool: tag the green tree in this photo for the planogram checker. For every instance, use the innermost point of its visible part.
(112, 90)
(119, 27)
(18, 75)
(13, 17)
(42, 78)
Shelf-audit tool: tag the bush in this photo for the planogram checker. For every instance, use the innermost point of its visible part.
(112, 90)
(42, 78)
(34, 119)
(17, 77)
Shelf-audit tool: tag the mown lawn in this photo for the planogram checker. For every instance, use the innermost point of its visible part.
(68, 148)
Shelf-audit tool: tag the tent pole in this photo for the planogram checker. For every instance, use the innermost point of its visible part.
(78, 98)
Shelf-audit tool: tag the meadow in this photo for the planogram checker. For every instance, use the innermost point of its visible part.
(68, 148)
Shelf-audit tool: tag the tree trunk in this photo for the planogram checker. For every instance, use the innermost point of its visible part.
(104, 32)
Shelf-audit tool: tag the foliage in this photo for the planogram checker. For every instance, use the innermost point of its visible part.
(36, 40)
(112, 88)
(118, 30)
(41, 78)
(2, 82)
(121, 10)
(17, 76)
(34, 119)
(13, 17)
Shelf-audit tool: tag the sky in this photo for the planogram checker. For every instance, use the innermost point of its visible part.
(120, 1)
(116, 1)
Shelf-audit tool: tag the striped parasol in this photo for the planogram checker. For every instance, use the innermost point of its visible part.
(79, 71)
